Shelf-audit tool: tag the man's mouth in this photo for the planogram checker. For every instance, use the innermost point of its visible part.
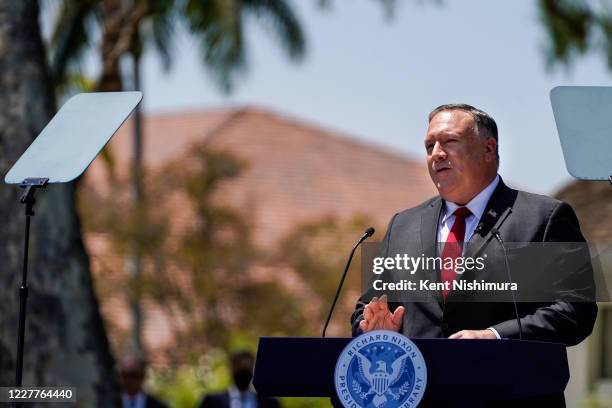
(441, 169)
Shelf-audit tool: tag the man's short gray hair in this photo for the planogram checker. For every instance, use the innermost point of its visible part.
(484, 125)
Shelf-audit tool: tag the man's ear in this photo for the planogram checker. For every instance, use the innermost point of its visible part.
(491, 149)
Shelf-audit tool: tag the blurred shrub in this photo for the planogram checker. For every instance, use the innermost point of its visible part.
(185, 385)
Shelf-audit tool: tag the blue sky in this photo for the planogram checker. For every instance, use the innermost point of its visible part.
(377, 80)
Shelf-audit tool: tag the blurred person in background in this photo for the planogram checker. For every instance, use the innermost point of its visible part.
(241, 394)
(132, 370)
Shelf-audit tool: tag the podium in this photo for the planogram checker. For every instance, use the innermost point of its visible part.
(459, 372)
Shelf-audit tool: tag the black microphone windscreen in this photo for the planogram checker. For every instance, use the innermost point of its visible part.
(370, 231)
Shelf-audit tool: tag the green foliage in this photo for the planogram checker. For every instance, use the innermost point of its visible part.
(71, 38)
(218, 289)
(184, 386)
(217, 25)
(318, 251)
(593, 401)
(215, 249)
(575, 27)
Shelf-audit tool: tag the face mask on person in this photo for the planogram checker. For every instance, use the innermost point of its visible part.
(242, 379)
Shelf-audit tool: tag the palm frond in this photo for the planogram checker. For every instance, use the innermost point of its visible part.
(71, 36)
(74, 82)
(217, 25)
(284, 22)
(159, 29)
(569, 24)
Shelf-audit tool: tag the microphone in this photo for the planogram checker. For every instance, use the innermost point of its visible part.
(367, 234)
(497, 236)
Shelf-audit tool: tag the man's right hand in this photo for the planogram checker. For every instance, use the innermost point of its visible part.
(377, 316)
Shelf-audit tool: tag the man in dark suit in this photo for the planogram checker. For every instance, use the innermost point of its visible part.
(241, 394)
(475, 207)
(132, 370)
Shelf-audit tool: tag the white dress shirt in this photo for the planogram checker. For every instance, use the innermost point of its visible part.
(476, 206)
(137, 401)
(245, 399)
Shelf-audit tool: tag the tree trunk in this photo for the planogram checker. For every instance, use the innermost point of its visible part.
(135, 255)
(65, 340)
(110, 77)
(120, 24)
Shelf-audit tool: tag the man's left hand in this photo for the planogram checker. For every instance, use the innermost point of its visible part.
(474, 334)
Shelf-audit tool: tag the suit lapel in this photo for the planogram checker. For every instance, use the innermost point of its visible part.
(495, 214)
(429, 233)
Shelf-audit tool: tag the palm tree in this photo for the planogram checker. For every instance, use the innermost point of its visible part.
(128, 27)
(65, 338)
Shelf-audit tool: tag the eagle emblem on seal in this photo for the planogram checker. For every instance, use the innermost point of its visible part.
(379, 378)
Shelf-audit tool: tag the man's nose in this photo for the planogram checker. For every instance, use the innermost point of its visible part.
(438, 152)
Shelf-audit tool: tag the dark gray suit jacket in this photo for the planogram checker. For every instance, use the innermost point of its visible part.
(519, 217)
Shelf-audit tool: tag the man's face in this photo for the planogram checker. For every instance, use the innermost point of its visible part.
(131, 380)
(461, 163)
(242, 371)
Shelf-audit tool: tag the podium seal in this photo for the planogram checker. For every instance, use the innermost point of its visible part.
(380, 369)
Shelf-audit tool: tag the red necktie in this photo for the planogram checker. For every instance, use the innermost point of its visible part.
(454, 246)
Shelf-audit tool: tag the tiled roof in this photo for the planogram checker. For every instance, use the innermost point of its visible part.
(295, 171)
(592, 201)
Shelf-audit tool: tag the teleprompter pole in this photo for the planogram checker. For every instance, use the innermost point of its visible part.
(29, 185)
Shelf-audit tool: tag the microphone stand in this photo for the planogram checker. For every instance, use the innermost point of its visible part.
(516, 313)
(368, 233)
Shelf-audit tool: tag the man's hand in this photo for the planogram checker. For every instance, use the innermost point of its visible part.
(377, 316)
(474, 334)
